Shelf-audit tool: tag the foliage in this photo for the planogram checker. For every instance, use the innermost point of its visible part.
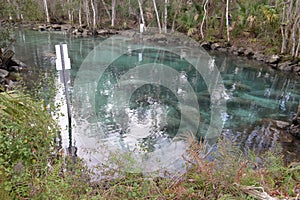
(27, 135)
(189, 18)
(6, 37)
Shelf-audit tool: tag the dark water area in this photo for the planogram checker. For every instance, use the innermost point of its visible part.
(149, 122)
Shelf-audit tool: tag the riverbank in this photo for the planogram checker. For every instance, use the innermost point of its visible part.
(11, 70)
(243, 46)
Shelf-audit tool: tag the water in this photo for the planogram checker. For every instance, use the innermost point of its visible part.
(127, 105)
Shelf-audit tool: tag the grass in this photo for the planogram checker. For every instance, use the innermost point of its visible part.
(30, 169)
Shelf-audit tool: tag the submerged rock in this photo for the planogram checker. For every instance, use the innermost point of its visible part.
(3, 73)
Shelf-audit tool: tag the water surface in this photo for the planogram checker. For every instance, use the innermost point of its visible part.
(151, 118)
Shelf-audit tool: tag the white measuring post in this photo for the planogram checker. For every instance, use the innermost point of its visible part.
(63, 63)
(62, 57)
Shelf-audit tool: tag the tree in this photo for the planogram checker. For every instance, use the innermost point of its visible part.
(106, 10)
(227, 20)
(46, 11)
(87, 12)
(157, 16)
(94, 15)
(290, 28)
(113, 14)
(177, 8)
(203, 19)
(166, 16)
(141, 13)
(222, 19)
(79, 14)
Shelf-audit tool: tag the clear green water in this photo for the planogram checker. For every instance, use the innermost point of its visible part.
(151, 119)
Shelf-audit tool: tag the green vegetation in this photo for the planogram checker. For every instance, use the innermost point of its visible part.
(30, 168)
(273, 23)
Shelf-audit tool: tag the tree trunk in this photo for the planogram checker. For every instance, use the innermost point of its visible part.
(142, 14)
(87, 12)
(222, 19)
(227, 20)
(47, 12)
(79, 15)
(157, 16)
(283, 29)
(105, 7)
(113, 15)
(203, 20)
(293, 38)
(94, 16)
(296, 26)
(175, 15)
(69, 11)
(166, 16)
(298, 47)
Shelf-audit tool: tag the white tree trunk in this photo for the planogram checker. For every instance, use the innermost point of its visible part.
(297, 54)
(69, 12)
(87, 12)
(283, 28)
(46, 11)
(113, 14)
(203, 20)
(293, 37)
(227, 20)
(142, 14)
(79, 15)
(166, 16)
(157, 16)
(105, 7)
(94, 15)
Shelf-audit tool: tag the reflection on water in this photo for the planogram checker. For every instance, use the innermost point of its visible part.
(152, 115)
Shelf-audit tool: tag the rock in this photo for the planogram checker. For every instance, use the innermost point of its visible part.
(281, 124)
(259, 56)
(233, 49)
(274, 59)
(56, 27)
(285, 66)
(66, 27)
(9, 84)
(3, 73)
(13, 68)
(85, 33)
(129, 33)
(224, 50)
(206, 45)
(296, 69)
(249, 52)
(41, 28)
(215, 46)
(241, 51)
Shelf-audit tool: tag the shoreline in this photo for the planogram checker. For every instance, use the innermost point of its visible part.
(275, 61)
